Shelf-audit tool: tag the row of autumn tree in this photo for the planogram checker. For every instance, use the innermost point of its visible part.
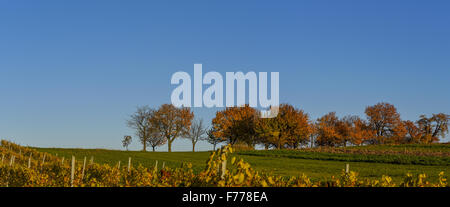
(291, 128)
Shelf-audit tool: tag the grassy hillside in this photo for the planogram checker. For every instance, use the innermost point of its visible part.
(320, 164)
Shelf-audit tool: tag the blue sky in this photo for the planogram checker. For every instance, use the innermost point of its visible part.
(71, 72)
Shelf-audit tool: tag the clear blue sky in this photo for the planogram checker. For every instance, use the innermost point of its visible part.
(72, 71)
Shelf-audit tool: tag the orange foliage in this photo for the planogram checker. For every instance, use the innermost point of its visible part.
(172, 122)
(385, 120)
(290, 128)
(236, 124)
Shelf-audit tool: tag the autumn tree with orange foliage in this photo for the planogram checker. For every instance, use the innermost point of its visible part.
(360, 131)
(290, 128)
(433, 128)
(343, 128)
(172, 122)
(413, 135)
(327, 130)
(332, 131)
(385, 121)
(236, 124)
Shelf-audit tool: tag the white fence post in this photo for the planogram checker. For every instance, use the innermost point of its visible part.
(11, 162)
(129, 163)
(224, 169)
(72, 174)
(43, 160)
(84, 166)
(29, 160)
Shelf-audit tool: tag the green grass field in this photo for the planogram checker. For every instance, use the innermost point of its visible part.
(317, 165)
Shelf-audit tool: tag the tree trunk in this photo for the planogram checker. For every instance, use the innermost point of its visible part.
(153, 148)
(193, 146)
(169, 145)
(279, 143)
(145, 147)
(214, 147)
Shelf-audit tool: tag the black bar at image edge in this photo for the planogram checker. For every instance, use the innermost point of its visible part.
(197, 197)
